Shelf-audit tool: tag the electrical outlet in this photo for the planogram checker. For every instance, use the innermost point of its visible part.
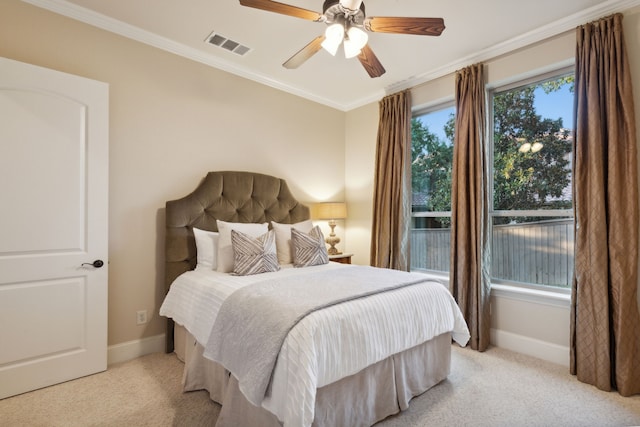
(141, 317)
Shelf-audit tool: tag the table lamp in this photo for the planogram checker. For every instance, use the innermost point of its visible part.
(332, 211)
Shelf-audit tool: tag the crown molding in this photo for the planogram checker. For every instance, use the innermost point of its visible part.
(550, 30)
(95, 19)
(115, 26)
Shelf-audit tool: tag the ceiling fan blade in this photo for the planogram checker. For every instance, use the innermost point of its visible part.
(397, 25)
(305, 53)
(284, 9)
(370, 62)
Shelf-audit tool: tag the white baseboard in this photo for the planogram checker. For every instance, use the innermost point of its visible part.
(131, 349)
(531, 347)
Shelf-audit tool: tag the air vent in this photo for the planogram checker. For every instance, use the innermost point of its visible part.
(223, 42)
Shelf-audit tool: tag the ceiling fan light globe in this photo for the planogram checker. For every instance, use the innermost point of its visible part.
(334, 35)
(330, 47)
(358, 37)
(351, 50)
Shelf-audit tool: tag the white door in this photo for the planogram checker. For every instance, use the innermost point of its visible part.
(53, 219)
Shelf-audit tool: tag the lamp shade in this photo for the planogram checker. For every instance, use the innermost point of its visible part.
(332, 210)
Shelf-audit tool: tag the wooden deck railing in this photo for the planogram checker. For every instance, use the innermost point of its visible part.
(538, 252)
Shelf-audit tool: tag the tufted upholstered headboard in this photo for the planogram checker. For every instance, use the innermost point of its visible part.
(228, 196)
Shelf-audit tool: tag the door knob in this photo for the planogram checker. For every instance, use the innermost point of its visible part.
(97, 263)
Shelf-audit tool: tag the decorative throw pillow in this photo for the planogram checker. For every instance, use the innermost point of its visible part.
(206, 249)
(309, 249)
(254, 255)
(225, 250)
(283, 238)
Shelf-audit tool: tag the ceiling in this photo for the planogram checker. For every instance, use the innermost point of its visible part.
(475, 31)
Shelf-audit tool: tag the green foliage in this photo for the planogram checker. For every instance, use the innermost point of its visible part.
(556, 84)
(526, 179)
(523, 179)
(431, 160)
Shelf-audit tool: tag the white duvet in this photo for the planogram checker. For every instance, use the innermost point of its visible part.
(356, 336)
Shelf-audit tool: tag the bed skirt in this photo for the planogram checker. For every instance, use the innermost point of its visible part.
(378, 391)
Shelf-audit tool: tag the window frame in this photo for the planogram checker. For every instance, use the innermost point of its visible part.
(491, 91)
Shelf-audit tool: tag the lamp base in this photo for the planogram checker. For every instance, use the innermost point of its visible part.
(333, 251)
(332, 240)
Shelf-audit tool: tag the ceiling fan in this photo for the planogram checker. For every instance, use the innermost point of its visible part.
(347, 23)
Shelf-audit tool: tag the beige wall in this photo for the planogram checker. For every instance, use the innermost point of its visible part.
(360, 151)
(171, 121)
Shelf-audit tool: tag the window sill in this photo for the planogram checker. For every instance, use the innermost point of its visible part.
(557, 299)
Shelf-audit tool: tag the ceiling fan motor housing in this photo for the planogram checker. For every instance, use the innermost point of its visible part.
(334, 12)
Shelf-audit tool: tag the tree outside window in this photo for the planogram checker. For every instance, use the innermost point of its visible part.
(531, 202)
(431, 165)
(531, 210)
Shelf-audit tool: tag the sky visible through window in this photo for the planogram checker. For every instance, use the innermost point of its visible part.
(436, 121)
(554, 105)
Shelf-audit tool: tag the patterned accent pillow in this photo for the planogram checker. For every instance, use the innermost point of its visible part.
(308, 249)
(283, 238)
(254, 255)
(225, 249)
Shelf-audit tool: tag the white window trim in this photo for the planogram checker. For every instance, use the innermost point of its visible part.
(550, 298)
(428, 214)
(531, 292)
(533, 212)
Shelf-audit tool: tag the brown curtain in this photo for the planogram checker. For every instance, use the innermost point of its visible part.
(469, 277)
(392, 189)
(605, 325)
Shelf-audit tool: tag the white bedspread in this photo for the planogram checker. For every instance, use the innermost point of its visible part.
(360, 332)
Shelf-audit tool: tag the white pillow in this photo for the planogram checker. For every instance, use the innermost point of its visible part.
(283, 238)
(207, 249)
(225, 249)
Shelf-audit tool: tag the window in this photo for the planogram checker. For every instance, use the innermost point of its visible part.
(531, 211)
(431, 164)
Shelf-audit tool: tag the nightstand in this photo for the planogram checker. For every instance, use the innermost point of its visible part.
(341, 258)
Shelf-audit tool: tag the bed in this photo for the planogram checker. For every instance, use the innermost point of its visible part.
(352, 361)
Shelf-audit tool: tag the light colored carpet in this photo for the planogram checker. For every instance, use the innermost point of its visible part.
(142, 392)
(494, 388)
